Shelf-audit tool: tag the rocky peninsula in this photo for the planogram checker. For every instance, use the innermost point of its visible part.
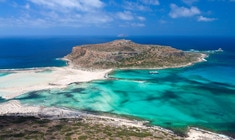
(127, 54)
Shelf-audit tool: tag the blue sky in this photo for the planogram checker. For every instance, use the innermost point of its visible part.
(117, 17)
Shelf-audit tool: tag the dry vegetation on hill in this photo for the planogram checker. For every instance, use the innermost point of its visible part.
(74, 129)
(127, 54)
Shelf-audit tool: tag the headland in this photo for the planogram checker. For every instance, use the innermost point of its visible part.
(129, 55)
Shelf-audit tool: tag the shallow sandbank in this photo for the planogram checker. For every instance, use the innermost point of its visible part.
(23, 81)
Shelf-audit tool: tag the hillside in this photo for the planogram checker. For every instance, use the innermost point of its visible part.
(127, 54)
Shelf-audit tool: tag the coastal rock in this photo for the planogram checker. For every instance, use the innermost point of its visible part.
(127, 54)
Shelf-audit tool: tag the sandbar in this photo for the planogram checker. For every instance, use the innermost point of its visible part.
(23, 81)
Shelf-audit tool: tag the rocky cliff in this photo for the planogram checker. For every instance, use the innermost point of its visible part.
(127, 54)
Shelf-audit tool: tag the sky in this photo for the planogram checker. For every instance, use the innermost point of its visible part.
(118, 17)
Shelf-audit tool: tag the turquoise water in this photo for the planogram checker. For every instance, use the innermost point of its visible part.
(202, 95)
(4, 74)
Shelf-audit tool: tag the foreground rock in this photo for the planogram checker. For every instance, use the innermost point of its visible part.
(127, 54)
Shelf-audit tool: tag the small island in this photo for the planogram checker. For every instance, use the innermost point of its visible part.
(127, 54)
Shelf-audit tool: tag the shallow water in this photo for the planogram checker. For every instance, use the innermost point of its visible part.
(200, 95)
(4, 74)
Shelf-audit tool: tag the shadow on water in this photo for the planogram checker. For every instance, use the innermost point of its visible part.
(31, 95)
(165, 96)
(79, 90)
(169, 95)
(68, 95)
(2, 100)
(217, 88)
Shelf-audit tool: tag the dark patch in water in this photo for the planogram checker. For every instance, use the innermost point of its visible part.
(2, 100)
(217, 89)
(78, 90)
(62, 93)
(124, 93)
(123, 102)
(172, 78)
(169, 95)
(130, 71)
(76, 83)
(69, 95)
(152, 98)
(31, 95)
(222, 84)
(168, 123)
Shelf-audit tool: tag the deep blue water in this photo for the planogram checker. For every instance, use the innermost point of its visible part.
(27, 52)
(201, 95)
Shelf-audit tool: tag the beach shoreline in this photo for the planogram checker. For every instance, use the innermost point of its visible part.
(23, 81)
(15, 108)
(56, 77)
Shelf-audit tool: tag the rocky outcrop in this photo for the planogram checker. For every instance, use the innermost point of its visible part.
(127, 54)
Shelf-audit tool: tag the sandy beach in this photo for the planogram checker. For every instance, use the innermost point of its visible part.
(23, 81)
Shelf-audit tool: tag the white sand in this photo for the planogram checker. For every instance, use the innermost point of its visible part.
(23, 81)
(199, 134)
(14, 107)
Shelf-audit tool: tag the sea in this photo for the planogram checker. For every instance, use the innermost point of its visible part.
(201, 95)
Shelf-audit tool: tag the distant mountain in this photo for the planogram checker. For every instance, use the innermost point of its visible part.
(127, 54)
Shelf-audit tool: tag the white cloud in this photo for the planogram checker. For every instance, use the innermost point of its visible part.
(141, 5)
(205, 19)
(133, 24)
(151, 2)
(177, 11)
(137, 25)
(22, 21)
(135, 6)
(55, 13)
(141, 18)
(162, 21)
(189, 2)
(126, 15)
(71, 12)
(27, 6)
(60, 5)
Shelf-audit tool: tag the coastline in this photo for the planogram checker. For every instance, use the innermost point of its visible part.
(57, 77)
(60, 78)
(15, 108)
(22, 81)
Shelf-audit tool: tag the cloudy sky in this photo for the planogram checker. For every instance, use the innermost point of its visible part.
(113, 17)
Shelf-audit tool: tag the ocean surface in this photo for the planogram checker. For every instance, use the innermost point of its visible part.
(202, 95)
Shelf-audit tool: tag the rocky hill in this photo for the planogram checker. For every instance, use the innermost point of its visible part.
(127, 54)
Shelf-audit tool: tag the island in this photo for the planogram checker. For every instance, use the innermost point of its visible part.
(86, 63)
(127, 54)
